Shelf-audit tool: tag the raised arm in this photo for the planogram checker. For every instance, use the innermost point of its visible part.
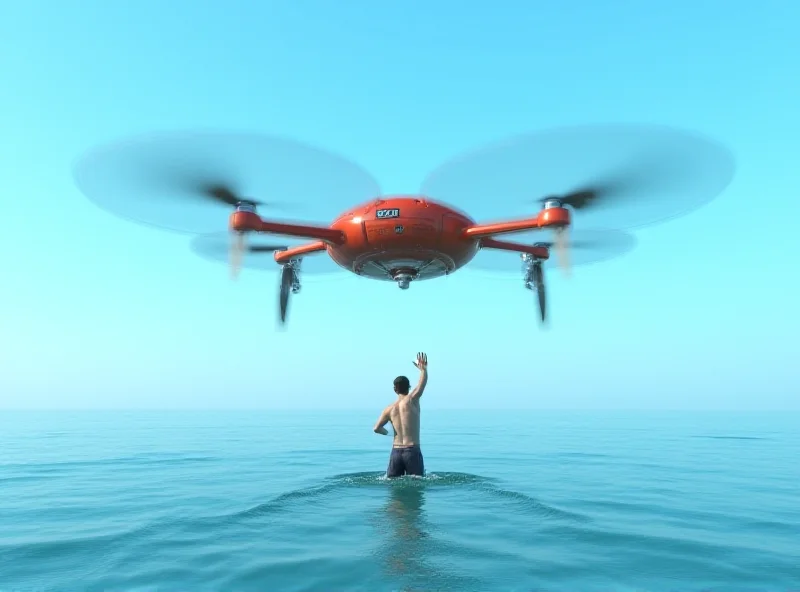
(422, 364)
(382, 421)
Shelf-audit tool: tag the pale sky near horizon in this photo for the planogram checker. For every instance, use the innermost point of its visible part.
(96, 311)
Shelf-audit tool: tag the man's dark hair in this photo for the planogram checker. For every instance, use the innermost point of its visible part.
(401, 385)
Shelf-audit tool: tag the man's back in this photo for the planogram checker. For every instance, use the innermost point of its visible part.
(404, 417)
(403, 414)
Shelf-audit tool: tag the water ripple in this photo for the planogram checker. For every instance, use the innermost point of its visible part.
(115, 462)
(734, 437)
(639, 510)
(335, 484)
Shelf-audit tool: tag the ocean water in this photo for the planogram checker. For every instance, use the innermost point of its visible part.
(241, 501)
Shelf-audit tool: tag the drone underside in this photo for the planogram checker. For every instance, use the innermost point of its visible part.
(404, 271)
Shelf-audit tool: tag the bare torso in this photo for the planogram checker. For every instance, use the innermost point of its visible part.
(404, 416)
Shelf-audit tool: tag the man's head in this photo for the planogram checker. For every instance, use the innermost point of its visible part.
(401, 385)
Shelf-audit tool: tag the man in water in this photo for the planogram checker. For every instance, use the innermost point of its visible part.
(403, 414)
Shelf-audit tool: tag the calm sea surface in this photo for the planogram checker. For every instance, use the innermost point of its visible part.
(290, 501)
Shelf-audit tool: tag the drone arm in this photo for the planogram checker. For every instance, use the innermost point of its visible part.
(485, 230)
(538, 252)
(548, 217)
(322, 233)
(287, 255)
(243, 221)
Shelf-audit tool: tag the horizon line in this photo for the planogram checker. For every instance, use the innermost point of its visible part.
(434, 408)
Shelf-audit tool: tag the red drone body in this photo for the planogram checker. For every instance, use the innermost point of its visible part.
(402, 238)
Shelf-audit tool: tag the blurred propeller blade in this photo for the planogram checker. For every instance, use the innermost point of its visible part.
(238, 246)
(266, 248)
(579, 200)
(224, 194)
(562, 249)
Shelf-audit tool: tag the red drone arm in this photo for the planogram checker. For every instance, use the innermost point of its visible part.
(285, 256)
(556, 216)
(249, 221)
(538, 252)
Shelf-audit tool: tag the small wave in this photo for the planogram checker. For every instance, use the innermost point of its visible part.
(121, 461)
(25, 479)
(733, 437)
(430, 481)
(97, 545)
(361, 480)
(326, 452)
(581, 455)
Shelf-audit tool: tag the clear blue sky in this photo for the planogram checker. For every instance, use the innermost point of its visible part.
(99, 312)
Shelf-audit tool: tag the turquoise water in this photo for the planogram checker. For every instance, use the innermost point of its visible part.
(292, 501)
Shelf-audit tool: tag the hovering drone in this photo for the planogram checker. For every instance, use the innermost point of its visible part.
(181, 182)
(402, 239)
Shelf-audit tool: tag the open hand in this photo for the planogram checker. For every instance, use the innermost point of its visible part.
(422, 361)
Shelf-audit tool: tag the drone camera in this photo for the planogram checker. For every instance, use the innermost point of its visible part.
(403, 277)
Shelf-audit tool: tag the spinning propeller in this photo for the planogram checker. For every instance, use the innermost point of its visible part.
(191, 181)
(628, 176)
(620, 176)
(239, 248)
(224, 194)
(579, 200)
(561, 244)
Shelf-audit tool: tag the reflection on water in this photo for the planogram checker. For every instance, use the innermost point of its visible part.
(409, 546)
(406, 524)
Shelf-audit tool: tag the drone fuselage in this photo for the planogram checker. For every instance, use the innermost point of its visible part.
(412, 235)
(401, 238)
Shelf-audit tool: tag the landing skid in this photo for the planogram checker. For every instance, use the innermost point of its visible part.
(290, 284)
(533, 276)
